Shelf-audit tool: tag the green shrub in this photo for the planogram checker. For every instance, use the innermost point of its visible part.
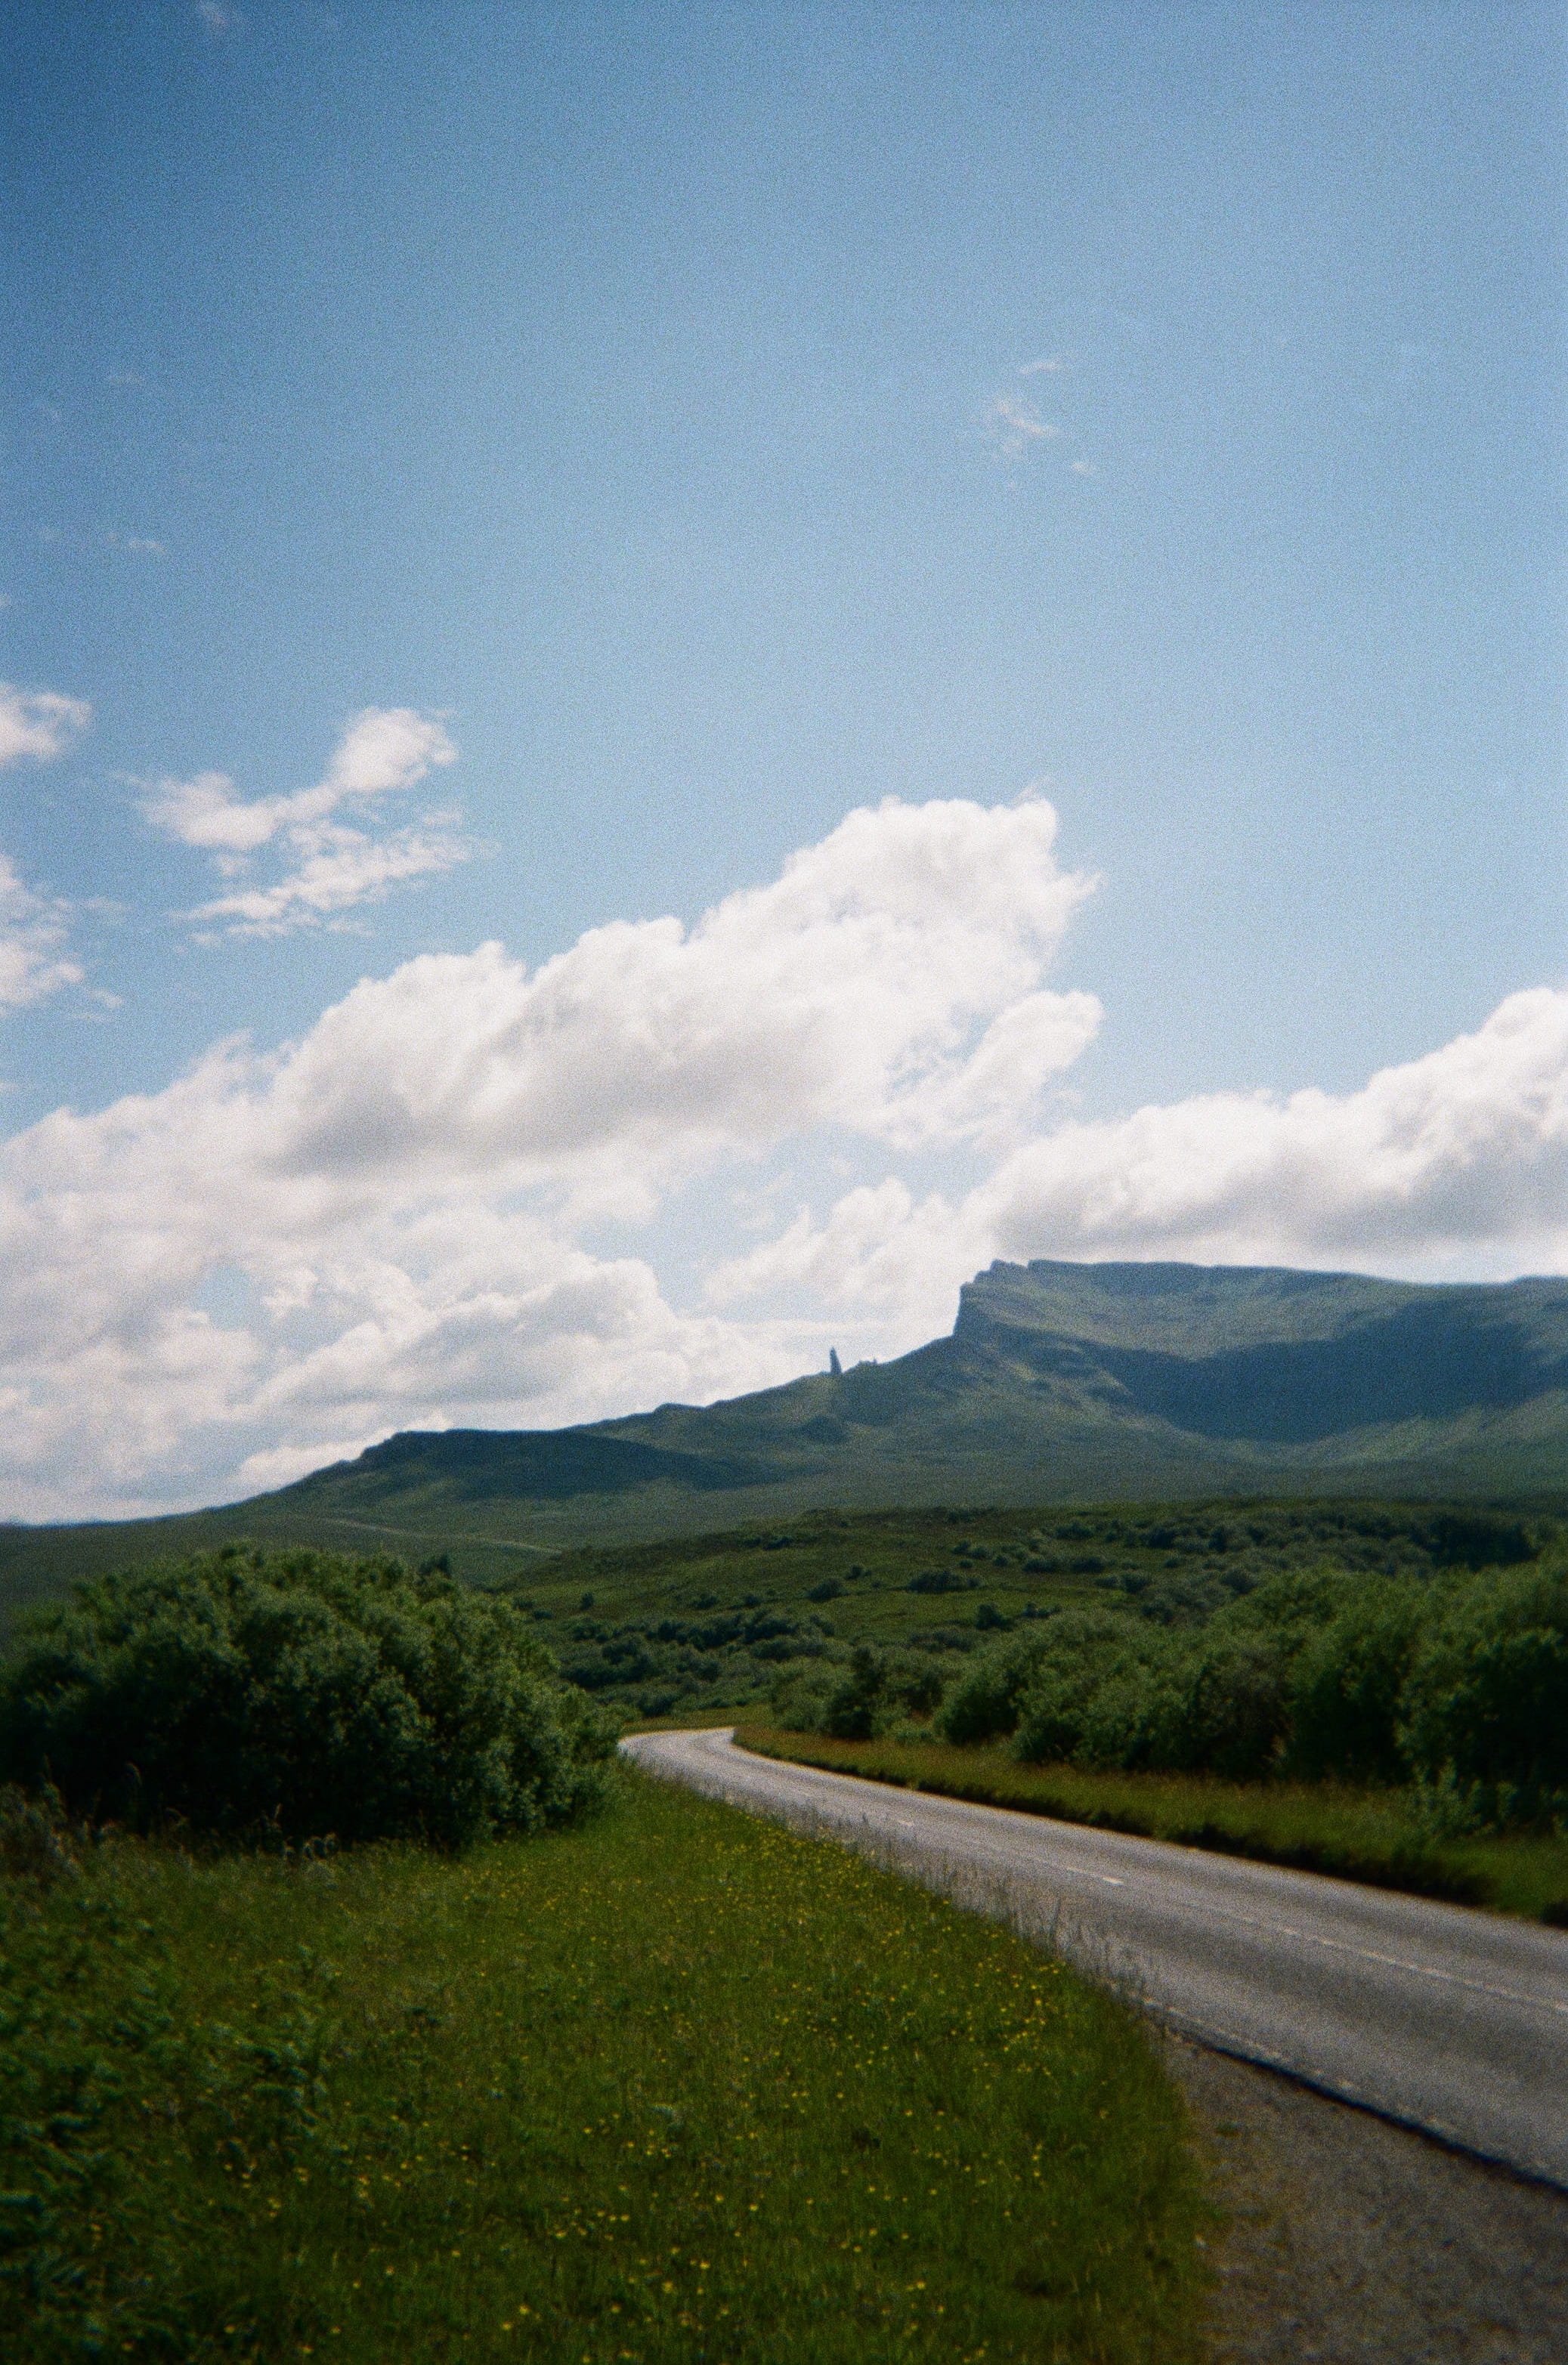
(860, 1697)
(1458, 1682)
(1346, 1687)
(799, 1697)
(302, 1693)
(1234, 1716)
(1485, 1704)
(1119, 1700)
(984, 1702)
(858, 1706)
(35, 1844)
(1046, 1676)
(1134, 1717)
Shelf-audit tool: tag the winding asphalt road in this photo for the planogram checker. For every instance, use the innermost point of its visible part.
(1446, 2020)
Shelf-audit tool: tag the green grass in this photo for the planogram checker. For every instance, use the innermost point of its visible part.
(1377, 1837)
(676, 2086)
(778, 1561)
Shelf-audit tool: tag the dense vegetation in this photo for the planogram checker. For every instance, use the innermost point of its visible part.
(671, 2085)
(1457, 1684)
(300, 1694)
(675, 1629)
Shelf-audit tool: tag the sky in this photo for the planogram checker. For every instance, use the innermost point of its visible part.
(671, 673)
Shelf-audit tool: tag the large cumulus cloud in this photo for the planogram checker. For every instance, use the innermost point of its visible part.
(460, 1195)
(383, 1223)
(1456, 1163)
(1462, 1153)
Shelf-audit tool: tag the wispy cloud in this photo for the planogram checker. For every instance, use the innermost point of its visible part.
(134, 545)
(1014, 429)
(384, 751)
(39, 722)
(33, 963)
(346, 869)
(219, 20)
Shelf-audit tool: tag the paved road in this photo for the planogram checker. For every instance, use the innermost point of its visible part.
(1449, 2020)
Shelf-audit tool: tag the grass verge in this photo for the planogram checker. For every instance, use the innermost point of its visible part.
(676, 2085)
(1370, 1836)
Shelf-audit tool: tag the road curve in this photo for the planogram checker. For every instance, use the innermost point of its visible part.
(1449, 2020)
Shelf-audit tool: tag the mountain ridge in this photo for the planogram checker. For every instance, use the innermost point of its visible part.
(1059, 1383)
(1049, 1365)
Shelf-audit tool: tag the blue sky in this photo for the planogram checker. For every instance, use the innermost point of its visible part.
(706, 424)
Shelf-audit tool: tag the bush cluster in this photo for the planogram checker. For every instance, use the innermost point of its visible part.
(652, 1665)
(857, 1698)
(1458, 1685)
(302, 1693)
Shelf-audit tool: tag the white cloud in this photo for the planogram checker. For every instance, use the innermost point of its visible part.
(1454, 1163)
(33, 964)
(848, 992)
(1463, 1150)
(396, 1201)
(1014, 429)
(385, 751)
(400, 1220)
(39, 722)
(80, 542)
(1050, 366)
(890, 1262)
(347, 869)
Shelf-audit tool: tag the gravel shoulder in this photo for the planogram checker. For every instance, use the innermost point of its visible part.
(1354, 2242)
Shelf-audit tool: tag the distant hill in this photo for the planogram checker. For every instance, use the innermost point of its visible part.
(1060, 1383)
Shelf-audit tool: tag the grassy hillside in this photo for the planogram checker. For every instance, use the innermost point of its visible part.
(1060, 1384)
(675, 2085)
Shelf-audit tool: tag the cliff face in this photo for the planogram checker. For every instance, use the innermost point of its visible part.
(1275, 1357)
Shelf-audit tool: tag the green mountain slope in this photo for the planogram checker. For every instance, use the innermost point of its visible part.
(1060, 1383)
